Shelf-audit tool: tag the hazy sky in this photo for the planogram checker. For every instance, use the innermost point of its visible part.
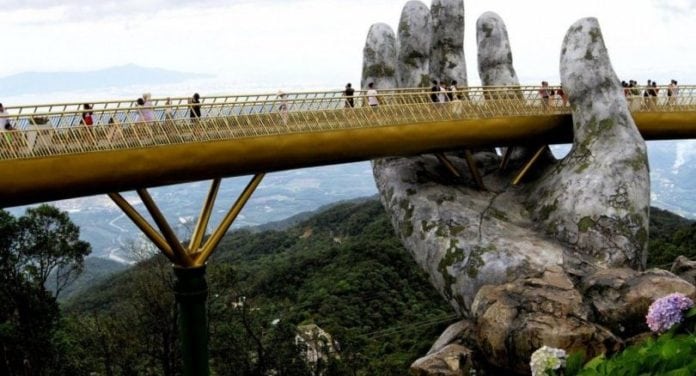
(320, 41)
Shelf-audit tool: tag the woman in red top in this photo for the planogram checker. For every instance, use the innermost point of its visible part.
(87, 115)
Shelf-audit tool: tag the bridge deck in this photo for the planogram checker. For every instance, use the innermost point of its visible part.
(51, 156)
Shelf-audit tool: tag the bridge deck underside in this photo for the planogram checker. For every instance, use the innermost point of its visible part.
(75, 174)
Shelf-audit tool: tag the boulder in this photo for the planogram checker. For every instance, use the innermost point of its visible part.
(685, 269)
(620, 297)
(515, 319)
(451, 360)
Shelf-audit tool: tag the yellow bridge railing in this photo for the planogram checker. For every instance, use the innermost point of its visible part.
(59, 129)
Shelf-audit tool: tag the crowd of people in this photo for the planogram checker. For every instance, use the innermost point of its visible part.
(440, 92)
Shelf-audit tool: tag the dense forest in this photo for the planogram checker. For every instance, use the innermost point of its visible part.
(341, 269)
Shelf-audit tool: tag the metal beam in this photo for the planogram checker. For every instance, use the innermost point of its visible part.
(183, 259)
(216, 236)
(469, 157)
(204, 217)
(448, 164)
(143, 225)
(529, 165)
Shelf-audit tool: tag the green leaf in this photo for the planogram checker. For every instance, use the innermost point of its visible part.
(574, 363)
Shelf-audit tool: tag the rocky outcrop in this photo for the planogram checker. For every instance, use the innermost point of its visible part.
(556, 261)
(620, 298)
(685, 269)
(447, 60)
(415, 30)
(451, 360)
(515, 319)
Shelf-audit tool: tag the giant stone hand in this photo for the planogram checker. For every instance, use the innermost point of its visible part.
(555, 261)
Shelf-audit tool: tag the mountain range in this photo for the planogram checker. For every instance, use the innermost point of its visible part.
(118, 76)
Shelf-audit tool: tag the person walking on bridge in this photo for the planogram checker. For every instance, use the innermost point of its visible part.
(546, 93)
(348, 94)
(6, 126)
(672, 92)
(283, 107)
(195, 112)
(372, 98)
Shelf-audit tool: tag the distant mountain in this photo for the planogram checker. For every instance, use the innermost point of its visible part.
(95, 270)
(125, 75)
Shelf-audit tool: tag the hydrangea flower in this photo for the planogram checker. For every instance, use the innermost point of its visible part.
(667, 311)
(547, 359)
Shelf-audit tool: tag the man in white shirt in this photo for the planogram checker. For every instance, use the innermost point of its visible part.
(372, 99)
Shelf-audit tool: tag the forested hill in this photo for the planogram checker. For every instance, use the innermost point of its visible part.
(342, 269)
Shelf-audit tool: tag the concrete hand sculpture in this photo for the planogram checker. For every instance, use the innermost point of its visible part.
(556, 261)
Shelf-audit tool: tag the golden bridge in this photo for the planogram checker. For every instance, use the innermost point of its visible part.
(51, 154)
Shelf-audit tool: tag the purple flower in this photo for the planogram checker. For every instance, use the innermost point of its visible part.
(667, 311)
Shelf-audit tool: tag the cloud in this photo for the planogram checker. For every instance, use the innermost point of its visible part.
(75, 10)
(679, 7)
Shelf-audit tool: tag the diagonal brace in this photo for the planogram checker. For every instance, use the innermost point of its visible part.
(214, 239)
(169, 235)
(204, 217)
(143, 225)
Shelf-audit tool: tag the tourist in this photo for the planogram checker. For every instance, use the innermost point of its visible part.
(348, 94)
(452, 91)
(195, 101)
(372, 98)
(545, 92)
(672, 92)
(652, 92)
(283, 106)
(5, 125)
(147, 110)
(87, 114)
(453, 95)
(442, 96)
(564, 97)
(168, 111)
(435, 92)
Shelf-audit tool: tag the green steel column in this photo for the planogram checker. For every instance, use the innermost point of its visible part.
(191, 289)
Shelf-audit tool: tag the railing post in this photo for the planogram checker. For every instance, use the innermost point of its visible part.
(191, 290)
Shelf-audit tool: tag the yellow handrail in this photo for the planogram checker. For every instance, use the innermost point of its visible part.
(55, 129)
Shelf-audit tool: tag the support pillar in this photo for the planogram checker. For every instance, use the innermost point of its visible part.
(191, 291)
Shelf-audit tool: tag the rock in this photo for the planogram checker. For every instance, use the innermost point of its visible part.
(494, 52)
(685, 269)
(620, 297)
(596, 202)
(379, 58)
(515, 319)
(415, 36)
(452, 360)
(447, 60)
(460, 333)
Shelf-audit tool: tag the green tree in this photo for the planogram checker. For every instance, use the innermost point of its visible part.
(48, 242)
(42, 241)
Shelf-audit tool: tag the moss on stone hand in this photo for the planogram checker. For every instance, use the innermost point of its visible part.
(585, 224)
(453, 254)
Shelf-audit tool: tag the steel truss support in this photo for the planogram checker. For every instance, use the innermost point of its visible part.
(191, 288)
(506, 158)
(529, 165)
(470, 162)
